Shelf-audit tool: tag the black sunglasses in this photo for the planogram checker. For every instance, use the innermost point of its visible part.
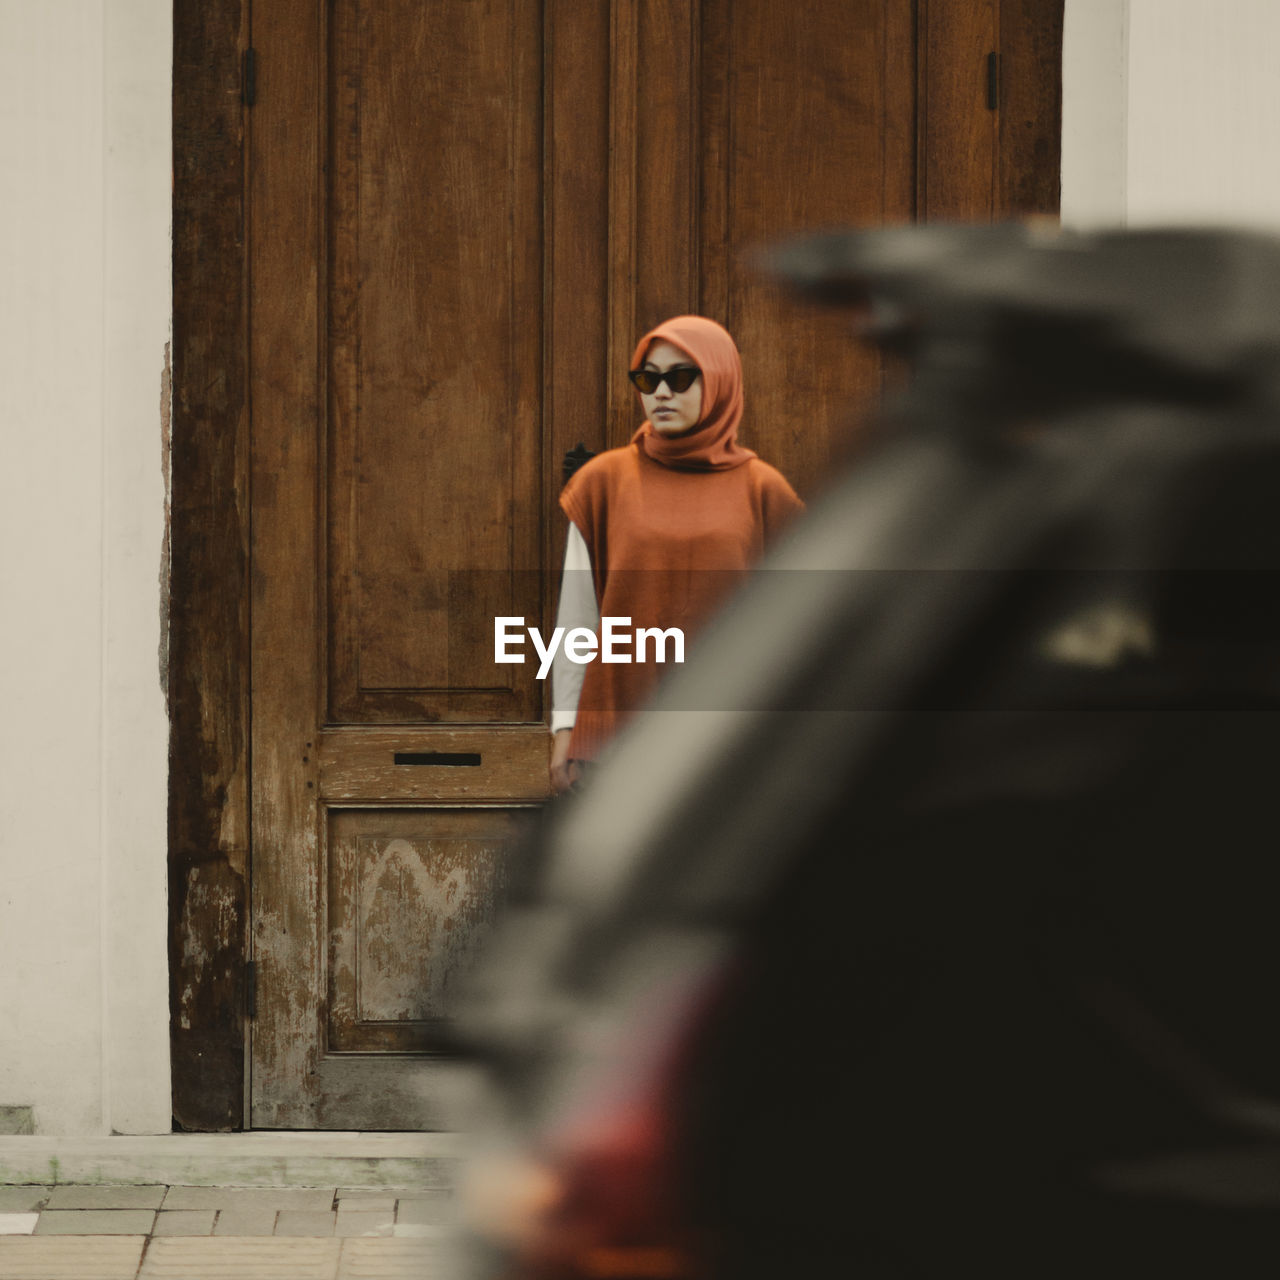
(679, 378)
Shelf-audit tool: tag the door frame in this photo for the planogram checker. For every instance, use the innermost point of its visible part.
(209, 611)
(209, 590)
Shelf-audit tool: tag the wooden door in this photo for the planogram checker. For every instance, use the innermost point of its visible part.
(399, 491)
(461, 216)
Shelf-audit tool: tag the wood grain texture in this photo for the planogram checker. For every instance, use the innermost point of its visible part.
(285, 229)
(433, 302)
(957, 137)
(209, 623)
(977, 163)
(577, 374)
(806, 125)
(1030, 150)
(620, 216)
(358, 765)
(666, 148)
(715, 166)
(399, 478)
(899, 158)
(395, 1092)
(412, 898)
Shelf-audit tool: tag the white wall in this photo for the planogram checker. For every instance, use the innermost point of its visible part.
(1204, 111)
(1095, 112)
(1171, 112)
(84, 320)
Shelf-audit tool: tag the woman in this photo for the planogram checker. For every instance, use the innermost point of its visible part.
(659, 528)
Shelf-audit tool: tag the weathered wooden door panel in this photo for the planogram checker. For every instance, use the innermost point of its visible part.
(807, 124)
(435, 503)
(410, 898)
(411, 895)
(284, 254)
(400, 497)
(461, 215)
(990, 89)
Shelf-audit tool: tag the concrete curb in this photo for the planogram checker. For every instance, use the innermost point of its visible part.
(236, 1160)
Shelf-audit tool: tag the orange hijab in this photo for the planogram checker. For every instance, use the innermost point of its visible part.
(712, 443)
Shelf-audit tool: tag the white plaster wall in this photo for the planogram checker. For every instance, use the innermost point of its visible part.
(1095, 112)
(1204, 112)
(1170, 113)
(84, 318)
(137, 312)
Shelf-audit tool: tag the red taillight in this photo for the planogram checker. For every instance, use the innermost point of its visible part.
(618, 1213)
(609, 1200)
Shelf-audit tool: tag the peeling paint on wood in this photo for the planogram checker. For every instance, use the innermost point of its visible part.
(412, 895)
(166, 546)
(422, 913)
(207, 615)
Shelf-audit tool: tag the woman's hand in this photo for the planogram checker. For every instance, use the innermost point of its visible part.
(564, 772)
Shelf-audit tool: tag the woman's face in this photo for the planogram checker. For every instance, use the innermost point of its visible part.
(671, 412)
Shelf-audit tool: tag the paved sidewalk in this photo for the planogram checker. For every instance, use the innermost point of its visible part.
(82, 1232)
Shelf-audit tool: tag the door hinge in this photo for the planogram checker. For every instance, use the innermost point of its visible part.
(251, 989)
(249, 78)
(993, 81)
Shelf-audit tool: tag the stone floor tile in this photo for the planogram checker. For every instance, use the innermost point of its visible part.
(300, 1222)
(21, 1224)
(270, 1258)
(370, 1201)
(79, 1197)
(184, 1222)
(25, 1199)
(257, 1197)
(96, 1222)
(361, 1222)
(245, 1221)
(62, 1258)
(398, 1259)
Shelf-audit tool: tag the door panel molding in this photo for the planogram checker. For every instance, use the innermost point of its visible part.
(421, 888)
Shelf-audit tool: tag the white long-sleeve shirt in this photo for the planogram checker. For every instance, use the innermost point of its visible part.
(577, 608)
